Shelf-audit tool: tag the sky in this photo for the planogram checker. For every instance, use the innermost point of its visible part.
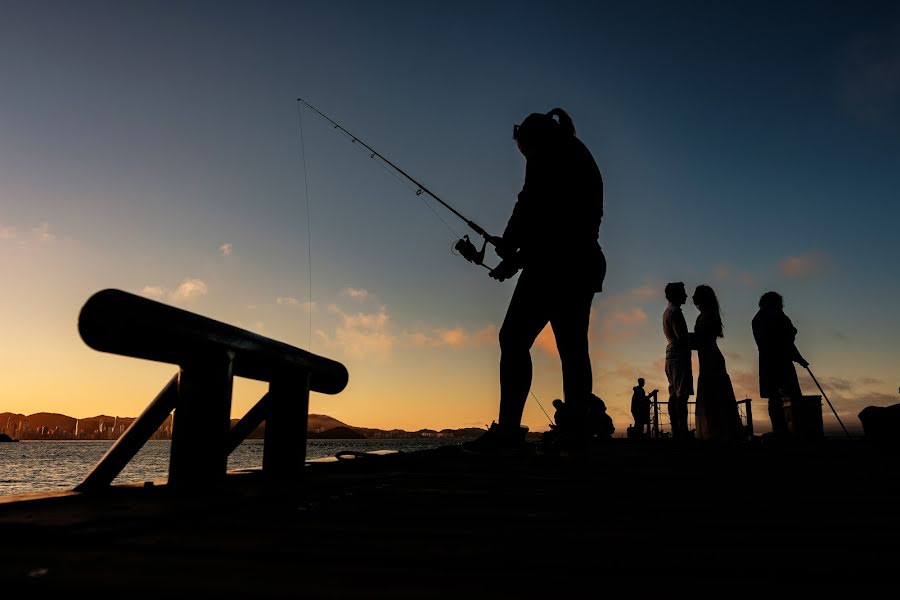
(158, 148)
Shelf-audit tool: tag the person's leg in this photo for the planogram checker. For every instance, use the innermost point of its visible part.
(682, 403)
(675, 415)
(678, 415)
(672, 406)
(525, 318)
(786, 386)
(776, 415)
(570, 320)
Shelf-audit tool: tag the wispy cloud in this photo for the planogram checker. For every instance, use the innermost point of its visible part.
(190, 289)
(460, 337)
(621, 324)
(226, 249)
(870, 80)
(373, 334)
(803, 265)
(724, 273)
(361, 334)
(294, 302)
(634, 316)
(42, 233)
(456, 337)
(154, 291)
(356, 293)
(647, 292)
(746, 279)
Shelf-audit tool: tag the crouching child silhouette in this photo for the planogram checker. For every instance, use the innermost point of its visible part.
(575, 429)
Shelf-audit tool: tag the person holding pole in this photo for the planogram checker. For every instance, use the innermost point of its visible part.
(774, 334)
(552, 237)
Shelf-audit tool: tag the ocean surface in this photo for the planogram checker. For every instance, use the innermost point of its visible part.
(36, 466)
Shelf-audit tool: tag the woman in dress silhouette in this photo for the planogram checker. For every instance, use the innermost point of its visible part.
(716, 413)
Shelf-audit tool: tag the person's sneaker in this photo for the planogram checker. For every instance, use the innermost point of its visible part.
(500, 441)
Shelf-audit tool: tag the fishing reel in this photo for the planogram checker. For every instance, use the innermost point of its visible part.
(467, 250)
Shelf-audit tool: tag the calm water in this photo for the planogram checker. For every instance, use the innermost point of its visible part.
(39, 466)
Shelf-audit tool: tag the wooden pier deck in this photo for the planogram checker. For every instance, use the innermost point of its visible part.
(651, 516)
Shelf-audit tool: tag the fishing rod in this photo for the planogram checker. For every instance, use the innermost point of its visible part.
(808, 370)
(464, 246)
(542, 408)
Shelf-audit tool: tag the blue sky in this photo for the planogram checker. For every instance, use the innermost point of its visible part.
(750, 146)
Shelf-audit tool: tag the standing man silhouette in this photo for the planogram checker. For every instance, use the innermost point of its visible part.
(552, 236)
(774, 334)
(640, 408)
(678, 359)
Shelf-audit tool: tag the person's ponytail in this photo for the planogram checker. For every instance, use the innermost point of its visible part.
(566, 126)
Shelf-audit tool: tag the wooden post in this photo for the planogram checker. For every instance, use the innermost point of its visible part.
(656, 416)
(243, 428)
(284, 453)
(134, 438)
(749, 417)
(201, 423)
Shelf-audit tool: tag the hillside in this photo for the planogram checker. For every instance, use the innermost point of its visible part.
(44, 425)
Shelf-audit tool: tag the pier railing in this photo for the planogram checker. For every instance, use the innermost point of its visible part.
(209, 355)
(658, 409)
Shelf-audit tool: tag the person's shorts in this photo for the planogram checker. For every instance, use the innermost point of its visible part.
(680, 375)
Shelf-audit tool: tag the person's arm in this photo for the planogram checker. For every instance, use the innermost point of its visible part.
(509, 243)
(519, 226)
(794, 352)
(700, 332)
(797, 357)
(680, 330)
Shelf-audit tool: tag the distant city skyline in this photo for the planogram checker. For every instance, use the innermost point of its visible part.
(54, 426)
(748, 146)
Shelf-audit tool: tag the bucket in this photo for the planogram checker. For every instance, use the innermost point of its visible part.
(804, 417)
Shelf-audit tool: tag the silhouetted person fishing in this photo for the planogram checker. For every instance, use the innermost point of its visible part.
(774, 334)
(552, 237)
(678, 359)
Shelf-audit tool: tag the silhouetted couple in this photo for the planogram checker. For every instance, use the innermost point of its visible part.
(552, 237)
(716, 416)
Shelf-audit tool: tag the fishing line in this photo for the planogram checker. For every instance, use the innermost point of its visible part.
(542, 407)
(464, 246)
(308, 226)
(418, 193)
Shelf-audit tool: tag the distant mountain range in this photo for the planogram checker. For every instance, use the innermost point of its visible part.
(53, 426)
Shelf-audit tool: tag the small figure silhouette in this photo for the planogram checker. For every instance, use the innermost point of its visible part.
(775, 334)
(552, 238)
(578, 424)
(640, 409)
(716, 415)
(678, 359)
